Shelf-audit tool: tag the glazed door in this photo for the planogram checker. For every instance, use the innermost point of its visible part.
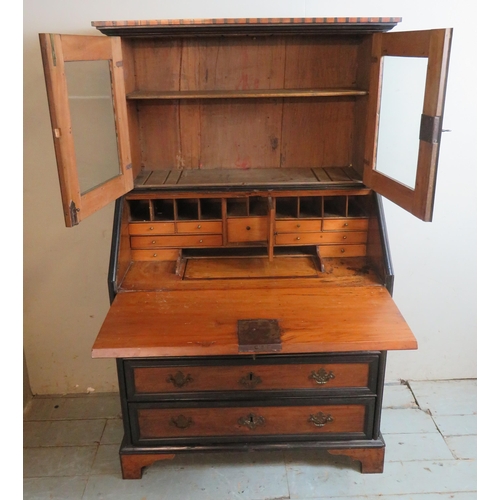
(406, 99)
(86, 91)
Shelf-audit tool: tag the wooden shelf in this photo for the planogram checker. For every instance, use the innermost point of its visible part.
(243, 94)
(249, 178)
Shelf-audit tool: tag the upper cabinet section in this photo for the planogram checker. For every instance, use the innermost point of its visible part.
(241, 104)
(85, 86)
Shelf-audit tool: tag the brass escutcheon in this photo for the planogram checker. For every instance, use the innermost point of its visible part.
(252, 421)
(321, 376)
(251, 380)
(181, 422)
(179, 379)
(320, 419)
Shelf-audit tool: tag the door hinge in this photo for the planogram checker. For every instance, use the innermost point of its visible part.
(430, 129)
(73, 213)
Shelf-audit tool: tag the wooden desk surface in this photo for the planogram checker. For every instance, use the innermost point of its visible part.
(204, 322)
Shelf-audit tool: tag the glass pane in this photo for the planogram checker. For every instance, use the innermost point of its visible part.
(402, 101)
(92, 122)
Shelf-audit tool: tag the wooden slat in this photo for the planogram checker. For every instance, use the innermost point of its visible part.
(157, 178)
(317, 319)
(237, 94)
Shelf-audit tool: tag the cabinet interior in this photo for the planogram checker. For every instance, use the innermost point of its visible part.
(285, 104)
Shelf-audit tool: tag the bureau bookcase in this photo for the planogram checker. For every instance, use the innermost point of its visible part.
(250, 275)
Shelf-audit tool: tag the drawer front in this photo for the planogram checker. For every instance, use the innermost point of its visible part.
(142, 228)
(176, 241)
(175, 379)
(247, 229)
(345, 224)
(297, 226)
(333, 238)
(155, 255)
(214, 227)
(343, 251)
(304, 418)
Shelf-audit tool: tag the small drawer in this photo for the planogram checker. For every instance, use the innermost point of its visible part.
(343, 251)
(297, 226)
(333, 238)
(345, 224)
(213, 227)
(151, 228)
(303, 418)
(157, 380)
(176, 241)
(155, 255)
(247, 229)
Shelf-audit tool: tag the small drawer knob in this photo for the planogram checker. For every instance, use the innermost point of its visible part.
(155, 255)
(345, 224)
(151, 228)
(344, 237)
(298, 238)
(342, 250)
(201, 241)
(198, 226)
(248, 228)
(153, 242)
(298, 225)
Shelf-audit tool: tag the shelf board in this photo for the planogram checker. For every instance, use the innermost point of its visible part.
(251, 178)
(243, 94)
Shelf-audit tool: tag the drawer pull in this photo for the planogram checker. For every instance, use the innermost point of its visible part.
(179, 379)
(181, 422)
(248, 228)
(252, 421)
(321, 376)
(251, 380)
(320, 419)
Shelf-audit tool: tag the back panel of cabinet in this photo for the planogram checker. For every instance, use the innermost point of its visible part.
(246, 103)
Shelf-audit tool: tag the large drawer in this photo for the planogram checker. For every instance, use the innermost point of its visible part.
(155, 379)
(348, 418)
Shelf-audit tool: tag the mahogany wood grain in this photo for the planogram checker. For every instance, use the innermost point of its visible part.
(317, 319)
(226, 421)
(150, 380)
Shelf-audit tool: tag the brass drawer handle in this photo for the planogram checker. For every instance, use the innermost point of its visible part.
(252, 421)
(179, 379)
(181, 422)
(321, 376)
(320, 419)
(251, 380)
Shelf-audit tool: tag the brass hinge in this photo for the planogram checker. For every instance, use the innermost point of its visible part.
(430, 129)
(73, 213)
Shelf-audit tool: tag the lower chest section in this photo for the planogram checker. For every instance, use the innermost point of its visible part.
(242, 399)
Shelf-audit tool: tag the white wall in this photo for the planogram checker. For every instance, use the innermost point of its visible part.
(65, 270)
